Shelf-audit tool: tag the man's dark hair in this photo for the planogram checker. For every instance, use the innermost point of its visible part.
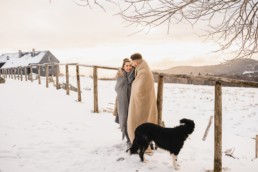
(136, 56)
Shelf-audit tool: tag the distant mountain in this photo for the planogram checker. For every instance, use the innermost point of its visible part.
(231, 67)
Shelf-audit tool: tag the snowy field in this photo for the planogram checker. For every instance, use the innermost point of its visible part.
(44, 130)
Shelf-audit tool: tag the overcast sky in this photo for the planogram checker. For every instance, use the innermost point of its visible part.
(80, 34)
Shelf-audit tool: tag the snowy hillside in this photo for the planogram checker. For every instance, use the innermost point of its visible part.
(44, 130)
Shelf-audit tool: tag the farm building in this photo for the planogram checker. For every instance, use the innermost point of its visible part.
(25, 59)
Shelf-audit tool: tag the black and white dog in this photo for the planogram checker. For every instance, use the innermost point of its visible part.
(170, 139)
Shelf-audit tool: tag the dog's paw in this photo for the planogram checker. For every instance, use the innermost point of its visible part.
(177, 167)
(145, 161)
(149, 153)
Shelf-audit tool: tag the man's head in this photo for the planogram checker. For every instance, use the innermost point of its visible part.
(136, 58)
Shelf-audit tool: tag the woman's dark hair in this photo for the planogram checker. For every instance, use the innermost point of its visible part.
(124, 61)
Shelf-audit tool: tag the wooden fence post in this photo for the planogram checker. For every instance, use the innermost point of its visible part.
(14, 73)
(21, 73)
(31, 76)
(57, 77)
(78, 83)
(18, 73)
(26, 73)
(8, 75)
(256, 146)
(218, 128)
(10, 72)
(5, 73)
(95, 90)
(47, 75)
(67, 79)
(39, 74)
(160, 99)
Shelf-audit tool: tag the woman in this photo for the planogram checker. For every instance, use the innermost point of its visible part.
(125, 77)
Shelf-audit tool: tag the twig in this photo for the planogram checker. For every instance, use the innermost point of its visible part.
(208, 128)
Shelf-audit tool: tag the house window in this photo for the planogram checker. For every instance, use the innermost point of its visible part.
(8, 58)
(49, 58)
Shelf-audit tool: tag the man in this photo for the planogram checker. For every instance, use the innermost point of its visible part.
(142, 106)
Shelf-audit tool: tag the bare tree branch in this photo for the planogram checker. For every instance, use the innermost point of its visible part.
(232, 23)
(87, 3)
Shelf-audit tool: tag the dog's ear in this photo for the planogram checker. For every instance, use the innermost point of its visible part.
(189, 124)
(183, 121)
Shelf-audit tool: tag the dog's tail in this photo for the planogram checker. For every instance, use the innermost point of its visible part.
(189, 124)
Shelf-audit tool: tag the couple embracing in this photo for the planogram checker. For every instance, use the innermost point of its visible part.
(136, 100)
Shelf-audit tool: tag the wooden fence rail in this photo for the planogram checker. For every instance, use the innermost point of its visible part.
(212, 78)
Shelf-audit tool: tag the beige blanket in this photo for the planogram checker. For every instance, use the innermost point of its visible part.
(142, 106)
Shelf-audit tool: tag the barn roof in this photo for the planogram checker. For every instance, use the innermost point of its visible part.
(13, 59)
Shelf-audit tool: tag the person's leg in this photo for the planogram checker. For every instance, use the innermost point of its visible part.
(128, 142)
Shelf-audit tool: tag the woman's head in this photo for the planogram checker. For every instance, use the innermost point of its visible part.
(127, 65)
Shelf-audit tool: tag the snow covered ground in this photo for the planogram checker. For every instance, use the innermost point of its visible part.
(44, 130)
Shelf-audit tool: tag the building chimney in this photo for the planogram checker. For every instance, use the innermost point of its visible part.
(33, 52)
(20, 53)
